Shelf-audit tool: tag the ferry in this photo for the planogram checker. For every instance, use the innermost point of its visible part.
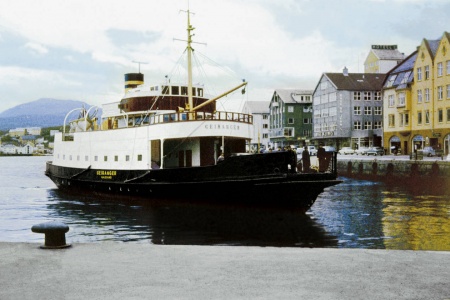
(170, 141)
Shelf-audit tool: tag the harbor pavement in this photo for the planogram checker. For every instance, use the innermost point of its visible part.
(111, 270)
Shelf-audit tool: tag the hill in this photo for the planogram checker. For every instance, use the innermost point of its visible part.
(43, 112)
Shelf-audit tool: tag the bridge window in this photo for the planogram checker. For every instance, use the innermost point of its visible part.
(175, 90)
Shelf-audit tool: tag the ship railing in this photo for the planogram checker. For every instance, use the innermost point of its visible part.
(200, 116)
(141, 119)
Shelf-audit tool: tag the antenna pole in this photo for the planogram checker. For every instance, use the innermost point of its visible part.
(139, 64)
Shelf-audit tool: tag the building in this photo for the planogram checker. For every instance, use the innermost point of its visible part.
(28, 139)
(427, 101)
(17, 132)
(34, 130)
(397, 99)
(382, 58)
(25, 131)
(9, 149)
(348, 109)
(290, 117)
(260, 136)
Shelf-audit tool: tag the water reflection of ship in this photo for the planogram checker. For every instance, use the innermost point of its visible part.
(176, 223)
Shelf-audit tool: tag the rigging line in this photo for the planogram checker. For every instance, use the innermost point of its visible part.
(225, 69)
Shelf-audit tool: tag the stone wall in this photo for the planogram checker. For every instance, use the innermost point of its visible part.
(380, 169)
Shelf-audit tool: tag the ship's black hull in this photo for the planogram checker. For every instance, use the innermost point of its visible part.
(239, 181)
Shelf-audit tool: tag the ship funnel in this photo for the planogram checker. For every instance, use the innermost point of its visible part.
(132, 80)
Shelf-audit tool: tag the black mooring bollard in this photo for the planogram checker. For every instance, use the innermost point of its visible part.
(55, 234)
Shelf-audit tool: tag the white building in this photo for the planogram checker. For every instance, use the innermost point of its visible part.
(260, 134)
(8, 149)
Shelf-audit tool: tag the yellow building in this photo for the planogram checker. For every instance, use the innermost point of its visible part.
(431, 102)
(397, 99)
(417, 108)
(382, 58)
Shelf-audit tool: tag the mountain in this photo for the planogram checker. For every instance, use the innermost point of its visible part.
(43, 112)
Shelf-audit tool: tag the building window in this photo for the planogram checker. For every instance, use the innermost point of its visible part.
(96, 158)
(288, 132)
(401, 99)
(86, 158)
(265, 116)
(405, 77)
(448, 91)
(391, 100)
(427, 95)
(391, 120)
(367, 96)
(332, 97)
(377, 125)
(357, 110)
(290, 121)
(265, 126)
(116, 158)
(333, 111)
(265, 135)
(307, 121)
(448, 67)
(440, 115)
(139, 157)
(440, 92)
(448, 114)
(367, 110)
(127, 158)
(377, 110)
(290, 108)
(357, 125)
(419, 96)
(401, 120)
(419, 117)
(439, 69)
(105, 158)
(391, 80)
(419, 74)
(406, 119)
(357, 96)
(427, 117)
(377, 96)
(427, 72)
(367, 125)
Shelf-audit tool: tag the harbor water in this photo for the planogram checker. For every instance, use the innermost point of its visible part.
(353, 214)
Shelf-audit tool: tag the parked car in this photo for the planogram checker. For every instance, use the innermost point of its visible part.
(346, 150)
(375, 151)
(312, 150)
(429, 151)
(361, 151)
(329, 149)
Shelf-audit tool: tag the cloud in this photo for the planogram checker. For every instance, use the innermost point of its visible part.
(272, 44)
(36, 48)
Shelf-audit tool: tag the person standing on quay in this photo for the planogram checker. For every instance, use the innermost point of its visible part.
(322, 157)
(306, 160)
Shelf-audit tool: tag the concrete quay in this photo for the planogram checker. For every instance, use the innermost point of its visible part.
(400, 168)
(144, 271)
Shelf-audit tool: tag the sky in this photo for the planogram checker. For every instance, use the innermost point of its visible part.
(80, 50)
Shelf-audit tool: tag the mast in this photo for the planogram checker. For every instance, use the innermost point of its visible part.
(189, 57)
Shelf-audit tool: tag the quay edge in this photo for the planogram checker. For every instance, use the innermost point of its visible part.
(435, 172)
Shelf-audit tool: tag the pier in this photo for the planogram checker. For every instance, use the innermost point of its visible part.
(143, 271)
(400, 168)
